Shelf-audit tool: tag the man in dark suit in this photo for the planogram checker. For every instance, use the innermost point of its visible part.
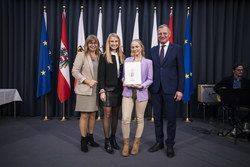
(167, 88)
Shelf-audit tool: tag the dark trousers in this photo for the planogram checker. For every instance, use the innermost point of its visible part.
(164, 103)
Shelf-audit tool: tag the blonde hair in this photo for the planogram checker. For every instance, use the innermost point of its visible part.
(142, 46)
(89, 39)
(119, 49)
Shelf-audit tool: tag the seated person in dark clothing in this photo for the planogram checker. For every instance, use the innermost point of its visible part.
(236, 81)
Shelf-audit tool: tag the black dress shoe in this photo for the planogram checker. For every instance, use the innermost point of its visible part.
(157, 146)
(170, 152)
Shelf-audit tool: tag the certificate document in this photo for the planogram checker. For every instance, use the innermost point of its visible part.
(132, 73)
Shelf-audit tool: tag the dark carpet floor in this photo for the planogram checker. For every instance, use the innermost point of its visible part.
(29, 142)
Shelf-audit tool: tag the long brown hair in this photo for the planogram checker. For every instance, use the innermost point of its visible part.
(119, 49)
(89, 39)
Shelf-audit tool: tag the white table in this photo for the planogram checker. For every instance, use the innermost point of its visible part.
(8, 96)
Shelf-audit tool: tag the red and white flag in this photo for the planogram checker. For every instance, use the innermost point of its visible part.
(171, 38)
(63, 86)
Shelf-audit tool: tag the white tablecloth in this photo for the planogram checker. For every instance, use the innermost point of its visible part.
(9, 95)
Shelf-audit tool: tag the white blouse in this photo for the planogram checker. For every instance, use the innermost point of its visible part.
(117, 63)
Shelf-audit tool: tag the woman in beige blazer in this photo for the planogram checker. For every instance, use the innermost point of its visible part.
(85, 71)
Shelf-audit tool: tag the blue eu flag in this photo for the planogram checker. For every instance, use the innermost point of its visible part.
(189, 87)
(45, 65)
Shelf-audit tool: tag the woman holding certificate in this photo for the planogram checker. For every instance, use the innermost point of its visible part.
(110, 85)
(135, 92)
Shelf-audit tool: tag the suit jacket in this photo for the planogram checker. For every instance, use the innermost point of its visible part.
(228, 82)
(170, 75)
(146, 79)
(83, 69)
(107, 72)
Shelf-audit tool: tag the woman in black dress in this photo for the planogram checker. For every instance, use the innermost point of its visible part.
(109, 79)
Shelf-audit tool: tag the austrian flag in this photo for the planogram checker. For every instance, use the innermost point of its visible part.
(63, 86)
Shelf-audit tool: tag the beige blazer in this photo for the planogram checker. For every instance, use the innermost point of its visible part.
(83, 69)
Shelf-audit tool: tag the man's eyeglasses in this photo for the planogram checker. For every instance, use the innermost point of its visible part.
(239, 70)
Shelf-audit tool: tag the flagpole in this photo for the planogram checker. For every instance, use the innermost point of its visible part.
(137, 11)
(187, 106)
(188, 10)
(152, 116)
(99, 110)
(99, 116)
(99, 30)
(171, 38)
(134, 119)
(152, 113)
(134, 37)
(45, 96)
(46, 109)
(63, 112)
(119, 26)
(187, 119)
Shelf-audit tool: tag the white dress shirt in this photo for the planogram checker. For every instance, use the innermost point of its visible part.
(165, 48)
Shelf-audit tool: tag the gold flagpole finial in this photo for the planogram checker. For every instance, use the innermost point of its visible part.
(44, 9)
(188, 9)
(137, 9)
(64, 7)
(120, 9)
(81, 8)
(100, 8)
(171, 9)
(155, 9)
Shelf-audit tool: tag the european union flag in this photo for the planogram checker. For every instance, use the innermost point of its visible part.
(189, 87)
(45, 65)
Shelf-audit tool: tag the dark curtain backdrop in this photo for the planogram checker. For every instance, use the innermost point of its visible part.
(220, 35)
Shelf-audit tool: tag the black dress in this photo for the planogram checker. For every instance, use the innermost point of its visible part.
(110, 82)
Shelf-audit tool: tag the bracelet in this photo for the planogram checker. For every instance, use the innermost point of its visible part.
(102, 91)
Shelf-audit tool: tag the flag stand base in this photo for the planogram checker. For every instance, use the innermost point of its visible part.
(45, 119)
(151, 119)
(187, 120)
(99, 118)
(63, 119)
